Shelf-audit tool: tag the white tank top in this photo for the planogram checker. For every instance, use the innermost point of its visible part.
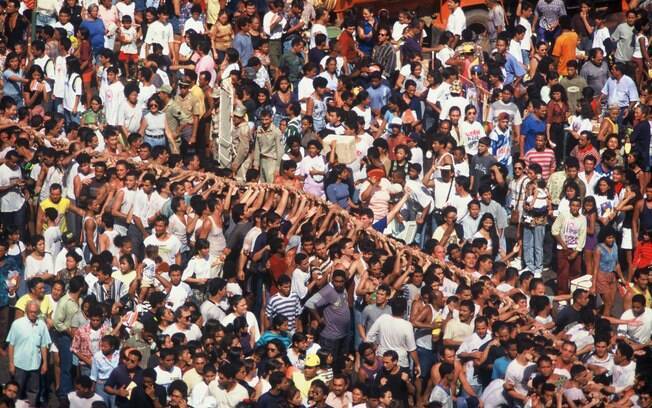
(112, 248)
(128, 200)
(95, 236)
(216, 239)
(423, 337)
(155, 124)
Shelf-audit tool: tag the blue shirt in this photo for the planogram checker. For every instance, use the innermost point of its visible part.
(621, 92)
(96, 34)
(9, 265)
(379, 96)
(529, 129)
(28, 339)
(242, 43)
(500, 367)
(13, 88)
(102, 365)
(512, 69)
(338, 193)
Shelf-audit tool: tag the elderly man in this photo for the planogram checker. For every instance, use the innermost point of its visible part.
(28, 334)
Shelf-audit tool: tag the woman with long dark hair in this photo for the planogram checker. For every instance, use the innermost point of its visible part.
(72, 93)
(557, 119)
(487, 230)
(606, 200)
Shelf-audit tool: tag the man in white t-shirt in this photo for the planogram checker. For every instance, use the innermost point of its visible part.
(184, 325)
(456, 20)
(12, 202)
(640, 314)
(226, 389)
(516, 371)
(178, 291)
(166, 370)
(159, 32)
(169, 246)
(393, 332)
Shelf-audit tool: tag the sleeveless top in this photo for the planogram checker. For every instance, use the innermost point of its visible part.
(608, 257)
(614, 126)
(95, 235)
(128, 202)
(319, 113)
(155, 124)
(280, 107)
(112, 248)
(645, 218)
(423, 337)
(216, 239)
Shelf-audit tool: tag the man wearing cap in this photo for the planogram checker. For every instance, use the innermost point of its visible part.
(268, 148)
(192, 107)
(455, 99)
(176, 117)
(302, 380)
(241, 143)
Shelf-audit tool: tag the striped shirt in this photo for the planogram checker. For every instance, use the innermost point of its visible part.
(288, 306)
(545, 159)
(385, 56)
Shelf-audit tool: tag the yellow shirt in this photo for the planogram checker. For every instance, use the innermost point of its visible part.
(125, 278)
(648, 296)
(61, 207)
(45, 304)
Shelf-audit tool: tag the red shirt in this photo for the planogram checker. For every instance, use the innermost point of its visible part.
(277, 267)
(346, 46)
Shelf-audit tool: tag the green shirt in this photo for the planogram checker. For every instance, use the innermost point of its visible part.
(67, 308)
(28, 339)
(294, 65)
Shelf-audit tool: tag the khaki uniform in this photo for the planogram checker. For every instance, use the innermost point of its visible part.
(191, 106)
(178, 120)
(268, 151)
(241, 135)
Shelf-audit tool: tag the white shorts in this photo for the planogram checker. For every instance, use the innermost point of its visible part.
(627, 239)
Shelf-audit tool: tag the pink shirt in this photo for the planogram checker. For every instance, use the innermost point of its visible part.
(206, 63)
(108, 16)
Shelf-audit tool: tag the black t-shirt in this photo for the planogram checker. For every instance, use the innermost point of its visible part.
(315, 55)
(485, 370)
(395, 384)
(567, 316)
(141, 400)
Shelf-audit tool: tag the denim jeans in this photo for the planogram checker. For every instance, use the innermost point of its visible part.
(427, 359)
(338, 348)
(18, 220)
(155, 141)
(533, 247)
(70, 117)
(64, 342)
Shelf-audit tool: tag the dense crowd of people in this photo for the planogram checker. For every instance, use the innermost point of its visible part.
(268, 204)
